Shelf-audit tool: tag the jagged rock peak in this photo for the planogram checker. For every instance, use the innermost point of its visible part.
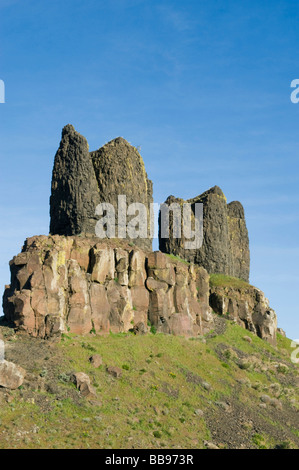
(74, 189)
(215, 190)
(120, 170)
(68, 129)
(81, 180)
(119, 141)
(236, 210)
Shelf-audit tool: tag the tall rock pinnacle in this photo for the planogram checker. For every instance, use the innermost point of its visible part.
(239, 241)
(81, 180)
(120, 170)
(74, 194)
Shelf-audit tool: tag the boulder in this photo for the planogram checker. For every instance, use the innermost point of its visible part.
(83, 384)
(11, 375)
(116, 372)
(96, 360)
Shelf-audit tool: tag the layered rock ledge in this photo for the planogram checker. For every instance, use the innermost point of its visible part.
(247, 306)
(75, 284)
(80, 284)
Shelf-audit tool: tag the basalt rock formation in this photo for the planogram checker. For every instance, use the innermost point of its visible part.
(248, 307)
(74, 192)
(81, 180)
(238, 241)
(225, 247)
(74, 281)
(76, 284)
(120, 171)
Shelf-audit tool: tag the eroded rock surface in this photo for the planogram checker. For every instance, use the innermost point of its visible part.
(76, 284)
(74, 190)
(225, 247)
(120, 171)
(248, 307)
(81, 180)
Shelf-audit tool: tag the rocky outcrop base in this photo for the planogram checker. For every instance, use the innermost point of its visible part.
(81, 285)
(248, 307)
(76, 284)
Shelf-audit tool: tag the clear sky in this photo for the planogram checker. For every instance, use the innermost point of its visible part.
(203, 87)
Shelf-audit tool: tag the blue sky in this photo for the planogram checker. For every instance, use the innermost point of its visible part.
(203, 87)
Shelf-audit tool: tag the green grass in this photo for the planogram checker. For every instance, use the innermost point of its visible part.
(221, 280)
(177, 258)
(164, 380)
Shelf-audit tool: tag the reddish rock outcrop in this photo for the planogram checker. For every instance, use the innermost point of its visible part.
(248, 307)
(76, 284)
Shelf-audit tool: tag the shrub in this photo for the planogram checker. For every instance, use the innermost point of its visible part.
(153, 329)
(225, 365)
(64, 378)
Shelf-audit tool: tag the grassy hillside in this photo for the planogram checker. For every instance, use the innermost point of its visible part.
(231, 389)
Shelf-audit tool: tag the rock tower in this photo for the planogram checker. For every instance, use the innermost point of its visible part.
(71, 280)
(225, 247)
(74, 191)
(120, 171)
(81, 180)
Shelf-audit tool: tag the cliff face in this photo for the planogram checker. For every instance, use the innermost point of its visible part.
(248, 307)
(225, 247)
(238, 241)
(80, 284)
(74, 281)
(81, 180)
(77, 284)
